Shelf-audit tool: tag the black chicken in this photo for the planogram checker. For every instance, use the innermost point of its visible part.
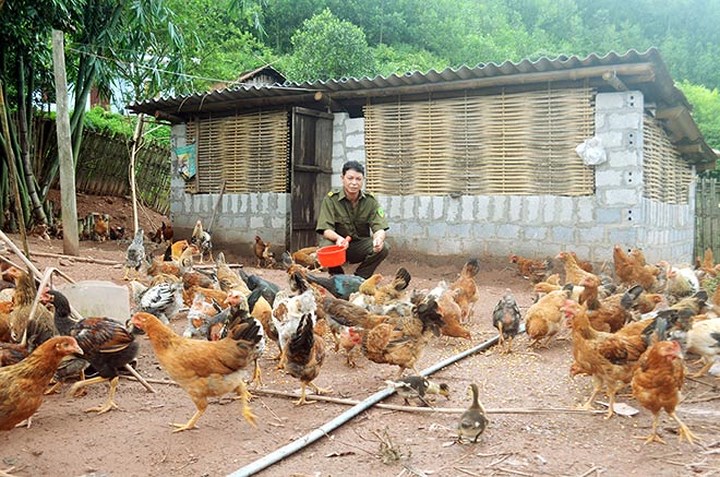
(341, 286)
(106, 345)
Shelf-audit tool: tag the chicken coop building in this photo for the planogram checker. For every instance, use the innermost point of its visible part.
(532, 157)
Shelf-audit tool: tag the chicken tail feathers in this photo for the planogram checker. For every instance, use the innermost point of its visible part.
(302, 341)
(402, 279)
(247, 330)
(298, 282)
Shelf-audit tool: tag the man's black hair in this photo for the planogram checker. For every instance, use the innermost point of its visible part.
(354, 165)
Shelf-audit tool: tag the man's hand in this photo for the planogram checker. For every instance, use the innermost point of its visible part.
(378, 240)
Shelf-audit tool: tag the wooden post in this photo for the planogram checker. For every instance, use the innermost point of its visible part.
(71, 240)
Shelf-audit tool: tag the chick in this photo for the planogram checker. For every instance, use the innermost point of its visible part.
(418, 387)
(473, 421)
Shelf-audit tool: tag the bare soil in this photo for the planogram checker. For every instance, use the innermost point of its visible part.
(530, 396)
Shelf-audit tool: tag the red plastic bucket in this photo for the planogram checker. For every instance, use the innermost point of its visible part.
(332, 255)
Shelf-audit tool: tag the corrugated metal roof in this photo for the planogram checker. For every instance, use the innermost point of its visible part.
(232, 97)
(645, 71)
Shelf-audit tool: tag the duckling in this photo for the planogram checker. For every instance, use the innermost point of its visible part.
(473, 421)
(418, 387)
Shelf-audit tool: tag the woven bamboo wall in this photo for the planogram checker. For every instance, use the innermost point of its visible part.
(481, 145)
(667, 176)
(250, 152)
(104, 164)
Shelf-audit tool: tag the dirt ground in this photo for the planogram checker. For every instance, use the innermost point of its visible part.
(534, 428)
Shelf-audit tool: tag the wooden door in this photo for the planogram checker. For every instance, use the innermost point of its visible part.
(310, 173)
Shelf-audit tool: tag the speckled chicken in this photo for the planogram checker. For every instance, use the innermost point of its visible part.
(203, 240)
(135, 255)
(507, 318)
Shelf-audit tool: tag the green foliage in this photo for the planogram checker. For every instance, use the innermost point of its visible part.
(400, 59)
(329, 48)
(106, 122)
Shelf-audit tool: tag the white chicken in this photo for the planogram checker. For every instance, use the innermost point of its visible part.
(203, 240)
(704, 339)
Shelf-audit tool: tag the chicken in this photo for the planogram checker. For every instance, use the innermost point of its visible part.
(307, 257)
(238, 314)
(680, 282)
(341, 285)
(452, 314)
(704, 339)
(162, 300)
(105, 343)
(532, 269)
(227, 279)
(176, 250)
(171, 266)
(286, 315)
(605, 315)
(707, 265)
(467, 288)
(11, 353)
(656, 384)
(417, 387)
(101, 228)
(264, 256)
(135, 255)
(473, 421)
(350, 340)
(203, 368)
(402, 342)
(608, 358)
(22, 329)
(631, 269)
(341, 314)
(376, 296)
(305, 355)
(573, 273)
(506, 318)
(202, 317)
(22, 385)
(163, 233)
(203, 240)
(543, 319)
(116, 232)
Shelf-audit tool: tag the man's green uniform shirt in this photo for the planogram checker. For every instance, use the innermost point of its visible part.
(338, 214)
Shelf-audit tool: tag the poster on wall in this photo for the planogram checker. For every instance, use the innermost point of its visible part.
(186, 161)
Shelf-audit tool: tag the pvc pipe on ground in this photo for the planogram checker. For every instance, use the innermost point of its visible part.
(330, 426)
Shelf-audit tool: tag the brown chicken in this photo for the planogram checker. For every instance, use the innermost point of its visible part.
(307, 257)
(401, 342)
(171, 266)
(584, 264)
(101, 229)
(305, 355)
(41, 327)
(608, 358)
(573, 273)
(543, 320)
(261, 249)
(532, 269)
(378, 296)
(350, 342)
(227, 278)
(467, 288)
(607, 315)
(203, 368)
(631, 270)
(11, 353)
(707, 265)
(656, 384)
(22, 385)
(452, 315)
(163, 233)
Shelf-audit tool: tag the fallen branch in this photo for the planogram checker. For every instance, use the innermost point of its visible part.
(590, 471)
(151, 380)
(77, 259)
(139, 378)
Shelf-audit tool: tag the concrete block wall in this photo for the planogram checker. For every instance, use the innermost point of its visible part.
(239, 217)
(542, 225)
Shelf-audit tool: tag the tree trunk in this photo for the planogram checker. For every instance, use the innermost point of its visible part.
(31, 184)
(10, 155)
